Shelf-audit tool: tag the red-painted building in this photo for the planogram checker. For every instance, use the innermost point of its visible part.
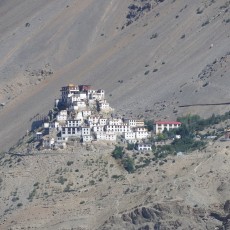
(159, 126)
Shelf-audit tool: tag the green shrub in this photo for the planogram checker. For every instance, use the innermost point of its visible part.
(128, 164)
(147, 72)
(19, 205)
(149, 124)
(118, 177)
(32, 194)
(36, 184)
(118, 152)
(155, 35)
(67, 188)
(130, 146)
(69, 163)
(199, 11)
(61, 180)
(15, 199)
(205, 23)
(92, 182)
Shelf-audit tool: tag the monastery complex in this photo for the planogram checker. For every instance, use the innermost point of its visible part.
(83, 114)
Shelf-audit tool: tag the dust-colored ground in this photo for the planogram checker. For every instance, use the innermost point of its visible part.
(88, 189)
(175, 54)
(85, 42)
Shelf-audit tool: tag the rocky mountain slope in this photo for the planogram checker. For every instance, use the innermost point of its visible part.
(151, 57)
(147, 55)
(88, 189)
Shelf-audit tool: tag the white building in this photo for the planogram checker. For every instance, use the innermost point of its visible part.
(74, 123)
(134, 123)
(115, 121)
(97, 95)
(130, 136)
(62, 115)
(144, 147)
(87, 138)
(159, 126)
(71, 132)
(105, 136)
(79, 116)
(38, 136)
(140, 129)
(140, 123)
(80, 104)
(141, 132)
(86, 131)
(130, 122)
(46, 125)
(86, 113)
(142, 135)
(104, 106)
(118, 129)
(102, 121)
(67, 91)
(98, 128)
(93, 120)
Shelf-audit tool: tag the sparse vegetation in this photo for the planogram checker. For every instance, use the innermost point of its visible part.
(155, 35)
(14, 199)
(147, 72)
(92, 182)
(128, 164)
(67, 188)
(31, 195)
(36, 184)
(205, 23)
(199, 11)
(61, 180)
(1, 181)
(149, 124)
(116, 176)
(118, 152)
(69, 163)
(19, 205)
(130, 146)
(196, 123)
(191, 124)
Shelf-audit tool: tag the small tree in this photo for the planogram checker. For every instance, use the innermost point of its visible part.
(149, 124)
(128, 164)
(130, 146)
(160, 137)
(118, 152)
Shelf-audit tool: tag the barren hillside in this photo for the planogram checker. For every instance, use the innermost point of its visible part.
(151, 57)
(88, 189)
(157, 49)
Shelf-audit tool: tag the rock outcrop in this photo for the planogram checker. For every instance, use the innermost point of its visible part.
(166, 216)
